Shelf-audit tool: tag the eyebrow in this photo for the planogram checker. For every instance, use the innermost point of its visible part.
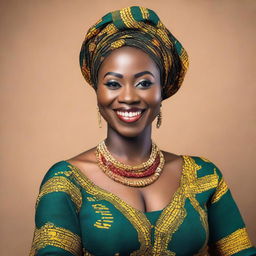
(136, 75)
(143, 73)
(114, 74)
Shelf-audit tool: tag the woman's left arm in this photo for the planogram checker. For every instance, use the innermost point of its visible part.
(228, 234)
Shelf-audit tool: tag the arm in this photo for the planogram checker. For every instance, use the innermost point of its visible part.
(57, 229)
(228, 234)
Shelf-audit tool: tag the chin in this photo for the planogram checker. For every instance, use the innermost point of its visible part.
(131, 132)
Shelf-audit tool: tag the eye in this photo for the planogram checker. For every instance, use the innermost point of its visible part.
(144, 84)
(113, 85)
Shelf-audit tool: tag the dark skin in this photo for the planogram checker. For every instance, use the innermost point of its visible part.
(129, 78)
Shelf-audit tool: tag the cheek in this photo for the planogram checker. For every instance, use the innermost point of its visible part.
(155, 97)
(104, 96)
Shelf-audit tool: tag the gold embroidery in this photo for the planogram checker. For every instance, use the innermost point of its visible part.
(92, 32)
(162, 33)
(137, 218)
(110, 29)
(205, 183)
(156, 43)
(92, 47)
(220, 191)
(153, 50)
(127, 18)
(106, 216)
(49, 234)
(66, 173)
(185, 63)
(91, 198)
(171, 217)
(199, 185)
(144, 13)
(61, 184)
(117, 44)
(234, 243)
(168, 223)
(86, 72)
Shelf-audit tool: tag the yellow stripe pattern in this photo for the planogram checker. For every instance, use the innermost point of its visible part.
(144, 13)
(51, 235)
(61, 184)
(234, 243)
(220, 191)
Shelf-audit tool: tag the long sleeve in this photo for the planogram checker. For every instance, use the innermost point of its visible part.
(57, 229)
(228, 235)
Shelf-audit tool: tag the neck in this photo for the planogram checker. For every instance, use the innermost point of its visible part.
(129, 150)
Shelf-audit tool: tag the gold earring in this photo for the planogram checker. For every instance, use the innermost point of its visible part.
(159, 119)
(99, 117)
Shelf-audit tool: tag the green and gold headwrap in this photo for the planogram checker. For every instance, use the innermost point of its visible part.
(137, 27)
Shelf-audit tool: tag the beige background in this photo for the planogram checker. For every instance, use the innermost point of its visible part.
(48, 113)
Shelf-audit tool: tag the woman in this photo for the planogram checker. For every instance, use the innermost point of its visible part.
(125, 196)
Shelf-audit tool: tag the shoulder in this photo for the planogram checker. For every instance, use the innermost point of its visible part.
(64, 168)
(58, 184)
(58, 169)
(197, 165)
(203, 175)
(204, 166)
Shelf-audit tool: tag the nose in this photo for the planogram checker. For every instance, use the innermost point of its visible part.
(129, 95)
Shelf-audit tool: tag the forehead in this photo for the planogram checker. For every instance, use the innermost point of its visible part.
(128, 60)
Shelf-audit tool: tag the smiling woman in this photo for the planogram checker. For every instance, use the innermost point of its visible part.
(129, 91)
(126, 196)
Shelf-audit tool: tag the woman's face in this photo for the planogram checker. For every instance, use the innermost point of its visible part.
(129, 91)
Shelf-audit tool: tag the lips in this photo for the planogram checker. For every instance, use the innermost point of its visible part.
(129, 115)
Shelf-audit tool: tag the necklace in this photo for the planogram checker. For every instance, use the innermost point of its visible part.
(136, 176)
(104, 151)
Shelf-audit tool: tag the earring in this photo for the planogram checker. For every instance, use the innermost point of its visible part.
(159, 119)
(99, 117)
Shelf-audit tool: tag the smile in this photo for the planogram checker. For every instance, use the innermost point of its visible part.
(129, 116)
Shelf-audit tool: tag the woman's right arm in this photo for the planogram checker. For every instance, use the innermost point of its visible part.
(57, 229)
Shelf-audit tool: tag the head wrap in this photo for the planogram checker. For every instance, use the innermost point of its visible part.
(137, 27)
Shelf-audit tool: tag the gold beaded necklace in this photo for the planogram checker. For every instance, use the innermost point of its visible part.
(107, 162)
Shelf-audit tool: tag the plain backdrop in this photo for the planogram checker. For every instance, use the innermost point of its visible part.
(48, 112)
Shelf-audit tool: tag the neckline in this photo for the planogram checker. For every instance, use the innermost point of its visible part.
(167, 222)
(81, 174)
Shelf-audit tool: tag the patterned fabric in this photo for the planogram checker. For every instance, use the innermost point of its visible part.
(76, 217)
(137, 27)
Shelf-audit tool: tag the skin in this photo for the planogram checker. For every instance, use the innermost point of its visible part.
(129, 78)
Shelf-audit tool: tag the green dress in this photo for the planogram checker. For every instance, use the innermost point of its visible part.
(76, 217)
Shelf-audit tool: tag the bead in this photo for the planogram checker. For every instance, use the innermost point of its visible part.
(135, 176)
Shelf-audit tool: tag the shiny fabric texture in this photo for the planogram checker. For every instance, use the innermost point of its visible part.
(74, 216)
(136, 27)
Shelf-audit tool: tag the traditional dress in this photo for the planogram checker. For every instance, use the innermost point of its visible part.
(76, 217)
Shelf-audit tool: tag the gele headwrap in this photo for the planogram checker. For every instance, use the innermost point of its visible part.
(137, 27)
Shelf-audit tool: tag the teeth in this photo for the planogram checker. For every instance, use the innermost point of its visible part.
(128, 114)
